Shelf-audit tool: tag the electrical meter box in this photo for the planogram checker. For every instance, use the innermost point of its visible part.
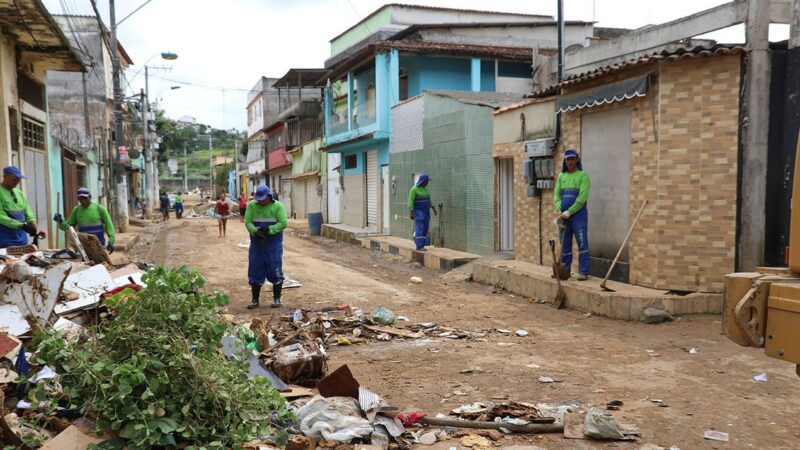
(538, 148)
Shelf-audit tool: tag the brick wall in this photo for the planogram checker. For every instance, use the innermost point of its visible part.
(353, 200)
(686, 238)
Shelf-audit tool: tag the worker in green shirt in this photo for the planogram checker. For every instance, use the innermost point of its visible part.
(17, 221)
(90, 218)
(178, 205)
(571, 193)
(265, 220)
(419, 205)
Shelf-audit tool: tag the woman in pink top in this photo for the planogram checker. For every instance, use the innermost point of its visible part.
(222, 210)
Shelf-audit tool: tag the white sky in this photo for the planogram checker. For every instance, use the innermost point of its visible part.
(224, 46)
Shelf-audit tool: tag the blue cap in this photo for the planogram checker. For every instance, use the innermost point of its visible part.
(423, 178)
(570, 153)
(263, 191)
(12, 170)
(84, 192)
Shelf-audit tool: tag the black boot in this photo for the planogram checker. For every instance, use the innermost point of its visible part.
(256, 289)
(276, 295)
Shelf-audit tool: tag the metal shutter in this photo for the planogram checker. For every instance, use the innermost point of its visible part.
(372, 188)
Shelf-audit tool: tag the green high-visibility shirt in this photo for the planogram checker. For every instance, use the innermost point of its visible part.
(92, 214)
(178, 199)
(419, 191)
(576, 180)
(273, 215)
(14, 202)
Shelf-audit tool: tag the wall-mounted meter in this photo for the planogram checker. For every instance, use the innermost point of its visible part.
(538, 148)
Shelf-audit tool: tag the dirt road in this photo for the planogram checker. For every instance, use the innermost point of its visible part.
(592, 359)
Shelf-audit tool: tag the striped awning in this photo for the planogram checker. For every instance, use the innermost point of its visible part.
(601, 95)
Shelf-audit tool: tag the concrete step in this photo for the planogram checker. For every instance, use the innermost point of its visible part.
(626, 303)
(346, 233)
(441, 259)
(125, 241)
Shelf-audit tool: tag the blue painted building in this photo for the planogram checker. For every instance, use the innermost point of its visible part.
(362, 90)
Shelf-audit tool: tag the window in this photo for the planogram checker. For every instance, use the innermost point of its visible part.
(33, 134)
(351, 162)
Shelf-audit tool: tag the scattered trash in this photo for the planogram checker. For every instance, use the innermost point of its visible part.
(600, 424)
(416, 280)
(403, 318)
(713, 435)
(760, 378)
(244, 245)
(383, 316)
(473, 370)
(384, 337)
(474, 441)
(544, 379)
(522, 333)
(654, 316)
(472, 410)
(533, 366)
(503, 331)
(71, 439)
(335, 419)
(428, 438)
(660, 403)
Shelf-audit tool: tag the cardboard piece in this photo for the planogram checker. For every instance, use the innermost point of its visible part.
(71, 439)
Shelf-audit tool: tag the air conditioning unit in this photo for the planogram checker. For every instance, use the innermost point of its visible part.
(538, 148)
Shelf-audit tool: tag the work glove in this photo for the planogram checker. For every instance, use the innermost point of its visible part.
(29, 228)
(110, 247)
(57, 218)
(411, 215)
(264, 232)
(566, 215)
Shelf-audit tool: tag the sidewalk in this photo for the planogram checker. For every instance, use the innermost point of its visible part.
(441, 259)
(626, 303)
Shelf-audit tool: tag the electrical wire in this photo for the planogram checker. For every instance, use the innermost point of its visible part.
(196, 84)
(19, 13)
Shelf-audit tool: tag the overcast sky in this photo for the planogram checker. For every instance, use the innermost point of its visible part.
(224, 46)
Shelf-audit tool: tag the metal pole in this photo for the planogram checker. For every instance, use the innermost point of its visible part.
(211, 169)
(560, 40)
(147, 179)
(236, 168)
(152, 182)
(185, 170)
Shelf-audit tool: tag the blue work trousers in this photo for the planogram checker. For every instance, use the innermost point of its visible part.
(265, 260)
(577, 225)
(422, 222)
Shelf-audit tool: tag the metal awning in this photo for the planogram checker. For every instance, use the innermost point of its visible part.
(600, 95)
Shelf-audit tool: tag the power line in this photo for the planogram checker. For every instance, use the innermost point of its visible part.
(196, 84)
(19, 13)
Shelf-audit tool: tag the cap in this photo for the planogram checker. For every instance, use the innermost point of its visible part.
(13, 170)
(84, 192)
(570, 153)
(262, 192)
(423, 178)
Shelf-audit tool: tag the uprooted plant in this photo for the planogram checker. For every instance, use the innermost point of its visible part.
(152, 370)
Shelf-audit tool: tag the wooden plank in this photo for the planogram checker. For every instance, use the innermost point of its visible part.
(394, 331)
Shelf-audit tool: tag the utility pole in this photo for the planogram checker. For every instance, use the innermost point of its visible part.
(120, 196)
(152, 181)
(236, 167)
(147, 179)
(185, 171)
(211, 169)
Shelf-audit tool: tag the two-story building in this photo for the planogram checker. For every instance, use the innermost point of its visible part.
(262, 110)
(31, 45)
(410, 50)
(81, 108)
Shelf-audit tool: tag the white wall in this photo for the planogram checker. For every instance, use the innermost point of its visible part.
(540, 122)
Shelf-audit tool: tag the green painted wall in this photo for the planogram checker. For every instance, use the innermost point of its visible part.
(310, 158)
(457, 154)
(361, 31)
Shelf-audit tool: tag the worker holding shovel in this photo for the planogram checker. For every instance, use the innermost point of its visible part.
(419, 203)
(571, 193)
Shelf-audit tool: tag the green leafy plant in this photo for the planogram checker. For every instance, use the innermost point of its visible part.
(154, 373)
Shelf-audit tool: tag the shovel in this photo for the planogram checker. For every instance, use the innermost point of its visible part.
(560, 271)
(619, 252)
(560, 294)
(440, 236)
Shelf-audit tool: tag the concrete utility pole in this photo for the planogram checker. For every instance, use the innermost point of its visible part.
(185, 170)
(236, 167)
(147, 157)
(211, 169)
(152, 161)
(120, 193)
(754, 156)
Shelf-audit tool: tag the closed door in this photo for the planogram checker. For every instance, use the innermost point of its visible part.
(36, 188)
(286, 187)
(334, 188)
(505, 179)
(606, 157)
(372, 189)
(385, 202)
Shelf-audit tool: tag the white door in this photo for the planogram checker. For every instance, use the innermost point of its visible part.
(385, 203)
(334, 188)
(505, 178)
(607, 159)
(372, 189)
(35, 188)
(286, 187)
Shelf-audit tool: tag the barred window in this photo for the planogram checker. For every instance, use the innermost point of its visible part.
(33, 134)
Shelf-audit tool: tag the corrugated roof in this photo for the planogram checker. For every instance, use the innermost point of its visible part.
(526, 102)
(305, 78)
(493, 100)
(664, 56)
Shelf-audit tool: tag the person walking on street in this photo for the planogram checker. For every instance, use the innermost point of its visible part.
(242, 206)
(265, 221)
(222, 210)
(17, 221)
(419, 204)
(164, 206)
(178, 205)
(90, 218)
(571, 194)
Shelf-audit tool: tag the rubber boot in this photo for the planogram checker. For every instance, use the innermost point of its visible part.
(276, 295)
(256, 289)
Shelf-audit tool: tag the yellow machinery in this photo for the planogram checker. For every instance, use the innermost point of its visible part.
(762, 309)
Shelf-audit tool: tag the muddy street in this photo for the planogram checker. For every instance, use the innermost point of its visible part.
(592, 360)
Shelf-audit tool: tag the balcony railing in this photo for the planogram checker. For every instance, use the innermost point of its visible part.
(364, 114)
